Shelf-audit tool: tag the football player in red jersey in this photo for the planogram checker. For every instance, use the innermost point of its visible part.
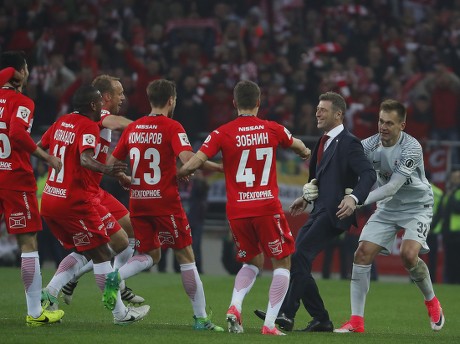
(18, 201)
(121, 241)
(248, 145)
(70, 205)
(153, 144)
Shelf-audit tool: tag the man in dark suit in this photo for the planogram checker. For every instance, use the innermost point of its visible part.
(338, 163)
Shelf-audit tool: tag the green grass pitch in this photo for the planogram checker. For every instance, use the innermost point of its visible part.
(395, 313)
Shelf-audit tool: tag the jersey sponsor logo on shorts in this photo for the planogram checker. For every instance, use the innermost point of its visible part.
(166, 238)
(81, 239)
(184, 139)
(89, 140)
(275, 247)
(17, 222)
(23, 113)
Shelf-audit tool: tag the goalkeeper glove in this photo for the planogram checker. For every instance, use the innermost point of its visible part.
(310, 191)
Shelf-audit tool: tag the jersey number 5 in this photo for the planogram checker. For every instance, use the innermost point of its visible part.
(245, 174)
(5, 146)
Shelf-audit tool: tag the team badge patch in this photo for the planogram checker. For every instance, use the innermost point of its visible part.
(23, 113)
(89, 140)
(275, 247)
(81, 239)
(409, 163)
(17, 222)
(184, 139)
(165, 238)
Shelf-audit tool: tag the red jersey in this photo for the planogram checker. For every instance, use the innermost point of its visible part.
(153, 144)
(248, 146)
(74, 186)
(16, 118)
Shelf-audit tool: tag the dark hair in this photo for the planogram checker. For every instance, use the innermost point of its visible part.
(159, 91)
(104, 83)
(83, 98)
(389, 105)
(15, 59)
(246, 94)
(338, 102)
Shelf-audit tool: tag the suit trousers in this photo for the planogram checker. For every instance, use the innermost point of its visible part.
(317, 232)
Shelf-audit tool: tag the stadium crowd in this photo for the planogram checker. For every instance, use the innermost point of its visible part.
(295, 50)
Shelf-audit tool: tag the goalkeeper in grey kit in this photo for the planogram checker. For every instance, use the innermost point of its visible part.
(404, 200)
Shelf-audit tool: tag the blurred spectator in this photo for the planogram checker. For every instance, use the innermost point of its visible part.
(190, 110)
(196, 213)
(419, 117)
(450, 217)
(434, 236)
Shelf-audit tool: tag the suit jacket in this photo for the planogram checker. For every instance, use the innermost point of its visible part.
(343, 165)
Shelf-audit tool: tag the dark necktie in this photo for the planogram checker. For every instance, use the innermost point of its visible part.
(320, 152)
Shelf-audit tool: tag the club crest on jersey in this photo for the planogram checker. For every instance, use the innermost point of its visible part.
(23, 113)
(89, 140)
(17, 222)
(184, 139)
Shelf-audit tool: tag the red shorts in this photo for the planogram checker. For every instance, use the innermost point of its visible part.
(116, 208)
(21, 213)
(110, 222)
(269, 234)
(83, 234)
(152, 232)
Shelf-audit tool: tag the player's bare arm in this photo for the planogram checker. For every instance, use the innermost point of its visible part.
(123, 178)
(191, 163)
(87, 161)
(299, 147)
(51, 160)
(115, 122)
